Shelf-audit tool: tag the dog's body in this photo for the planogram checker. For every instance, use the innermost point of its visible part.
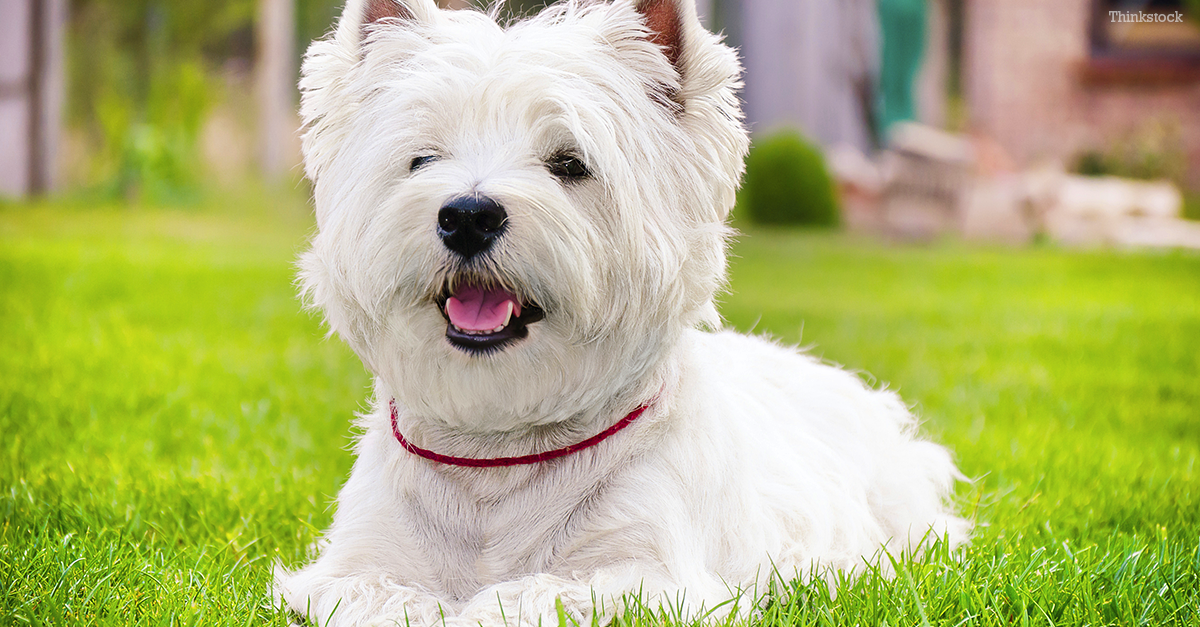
(520, 232)
(754, 459)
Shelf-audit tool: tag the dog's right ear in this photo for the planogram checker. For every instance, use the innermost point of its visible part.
(360, 16)
(326, 100)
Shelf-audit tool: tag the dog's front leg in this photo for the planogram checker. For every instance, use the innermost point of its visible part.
(375, 600)
(532, 601)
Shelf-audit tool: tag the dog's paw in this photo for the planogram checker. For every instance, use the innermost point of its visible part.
(319, 599)
(530, 601)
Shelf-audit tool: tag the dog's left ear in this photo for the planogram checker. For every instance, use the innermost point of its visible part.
(665, 19)
(701, 62)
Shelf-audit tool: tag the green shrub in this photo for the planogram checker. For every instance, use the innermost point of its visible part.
(1191, 206)
(787, 183)
(1152, 151)
(1093, 163)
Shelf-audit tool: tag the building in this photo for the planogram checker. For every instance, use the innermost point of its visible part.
(811, 64)
(1054, 79)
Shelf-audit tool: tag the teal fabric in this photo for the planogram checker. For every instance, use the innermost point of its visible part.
(902, 27)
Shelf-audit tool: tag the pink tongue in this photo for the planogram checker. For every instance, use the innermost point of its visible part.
(477, 309)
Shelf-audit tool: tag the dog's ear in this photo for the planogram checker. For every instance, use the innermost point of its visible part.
(325, 98)
(701, 62)
(382, 9)
(360, 16)
(666, 21)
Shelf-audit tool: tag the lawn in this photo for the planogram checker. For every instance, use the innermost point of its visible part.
(173, 423)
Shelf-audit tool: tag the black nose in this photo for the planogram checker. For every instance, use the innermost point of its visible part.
(469, 224)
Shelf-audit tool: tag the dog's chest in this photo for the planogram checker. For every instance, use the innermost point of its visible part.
(485, 530)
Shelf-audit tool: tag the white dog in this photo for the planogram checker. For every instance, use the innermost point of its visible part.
(520, 232)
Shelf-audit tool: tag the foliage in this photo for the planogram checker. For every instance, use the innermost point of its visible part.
(1153, 151)
(314, 19)
(787, 182)
(1191, 206)
(143, 76)
(140, 85)
(521, 8)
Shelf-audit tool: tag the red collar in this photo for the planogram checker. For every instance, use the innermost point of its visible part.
(511, 461)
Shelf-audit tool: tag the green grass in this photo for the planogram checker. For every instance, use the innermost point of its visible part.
(172, 423)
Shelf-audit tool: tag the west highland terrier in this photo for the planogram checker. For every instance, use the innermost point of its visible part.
(521, 230)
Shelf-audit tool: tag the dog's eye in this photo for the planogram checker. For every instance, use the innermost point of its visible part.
(419, 162)
(568, 167)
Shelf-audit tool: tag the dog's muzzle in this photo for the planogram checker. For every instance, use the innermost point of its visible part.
(481, 316)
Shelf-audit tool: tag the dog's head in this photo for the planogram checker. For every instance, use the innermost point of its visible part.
(517, 223)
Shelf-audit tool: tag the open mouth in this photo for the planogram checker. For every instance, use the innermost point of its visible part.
(482, 318)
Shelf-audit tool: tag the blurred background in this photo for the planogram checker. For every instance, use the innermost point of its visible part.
(1010, 120)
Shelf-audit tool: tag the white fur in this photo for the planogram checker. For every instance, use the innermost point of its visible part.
(751, 459)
